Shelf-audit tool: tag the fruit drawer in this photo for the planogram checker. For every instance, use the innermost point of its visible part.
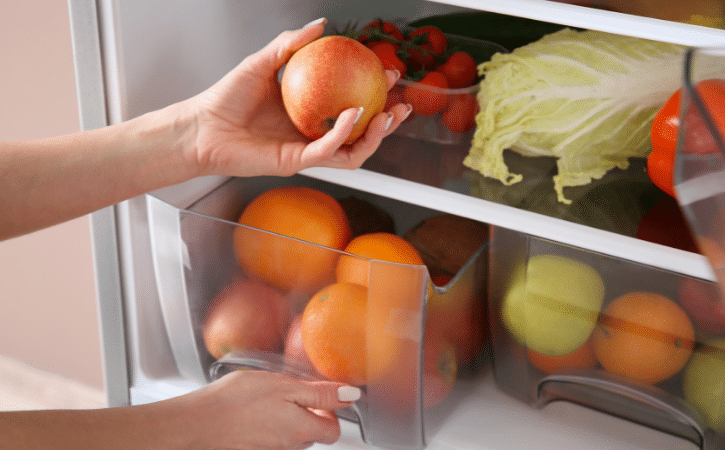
(234, 296)
(627, 339)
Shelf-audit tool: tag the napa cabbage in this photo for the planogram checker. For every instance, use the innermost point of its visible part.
(586, 98)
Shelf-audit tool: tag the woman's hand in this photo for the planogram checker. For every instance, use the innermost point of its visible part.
(243, 410)
(238, 127)
(262, 410)
(242, 128)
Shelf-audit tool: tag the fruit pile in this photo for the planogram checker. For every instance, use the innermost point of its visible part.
(436, 78)
(556, 308)
(315, 290)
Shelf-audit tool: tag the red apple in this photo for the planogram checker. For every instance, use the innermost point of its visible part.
(245, 315)
(439, 368)
(328, 76)
(701, 300)
(294, 350)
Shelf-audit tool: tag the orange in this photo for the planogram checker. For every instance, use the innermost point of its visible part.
(644, 336)
(376, 246)
(395, 291)
(297, 214)
(335, 334)
(581, 357)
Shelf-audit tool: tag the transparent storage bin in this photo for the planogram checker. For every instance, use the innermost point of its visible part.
(434, 128)
(519, 274)
(700, 164)
(660, 363)
(195, 260)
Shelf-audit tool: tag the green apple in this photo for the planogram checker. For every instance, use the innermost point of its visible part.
(552, 304)
(703, 383)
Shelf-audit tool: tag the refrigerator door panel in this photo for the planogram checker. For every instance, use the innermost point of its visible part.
(700, 162)
(147, 344)
(170, 261)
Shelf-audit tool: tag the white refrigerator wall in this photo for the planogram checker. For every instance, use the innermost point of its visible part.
(167, 51)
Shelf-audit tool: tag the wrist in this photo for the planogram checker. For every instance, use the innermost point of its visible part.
(173, 425)
(168, 137)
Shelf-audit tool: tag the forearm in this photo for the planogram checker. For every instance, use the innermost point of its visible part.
(139, 427)
(53, 180)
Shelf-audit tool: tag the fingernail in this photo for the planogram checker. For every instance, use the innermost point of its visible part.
(316, 22)
(410, 110)
(389, 122)
(397, 74)
(359, 113)
(348, 393)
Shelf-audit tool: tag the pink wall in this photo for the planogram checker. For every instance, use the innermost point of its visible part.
(48, 314)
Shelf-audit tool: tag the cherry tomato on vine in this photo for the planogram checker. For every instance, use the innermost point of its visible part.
(427, 96)
(460, 115)
(387, 54)
(460, 70)
(433, 41)
(386, 27)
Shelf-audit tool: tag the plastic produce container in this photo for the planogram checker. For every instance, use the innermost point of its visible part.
(639, 342)
(433, 128)
(195, 260)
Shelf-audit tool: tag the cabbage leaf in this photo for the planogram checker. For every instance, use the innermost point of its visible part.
(585, 97)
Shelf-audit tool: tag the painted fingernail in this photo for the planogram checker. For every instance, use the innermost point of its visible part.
(359, 114)
(348, 393)
(389, 122)
(316, 22)
(410, 110)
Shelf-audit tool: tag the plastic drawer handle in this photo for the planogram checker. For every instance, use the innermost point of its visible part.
(637, 402)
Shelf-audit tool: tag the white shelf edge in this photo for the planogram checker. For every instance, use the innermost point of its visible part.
(545, 227)
(486, 418)
(602, 20)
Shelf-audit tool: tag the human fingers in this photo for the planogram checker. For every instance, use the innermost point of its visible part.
(323, 395)
(319, 426)
(380, 126)
(330, 151)
(392, 76)
(320, 150)
(400, 112)
(319, 399)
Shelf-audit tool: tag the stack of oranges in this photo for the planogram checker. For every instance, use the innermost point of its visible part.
(360, 319)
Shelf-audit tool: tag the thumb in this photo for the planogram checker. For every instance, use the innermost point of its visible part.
(276, 54)
(325, 395)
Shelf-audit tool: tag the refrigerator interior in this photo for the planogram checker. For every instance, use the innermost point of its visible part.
(134, 57)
